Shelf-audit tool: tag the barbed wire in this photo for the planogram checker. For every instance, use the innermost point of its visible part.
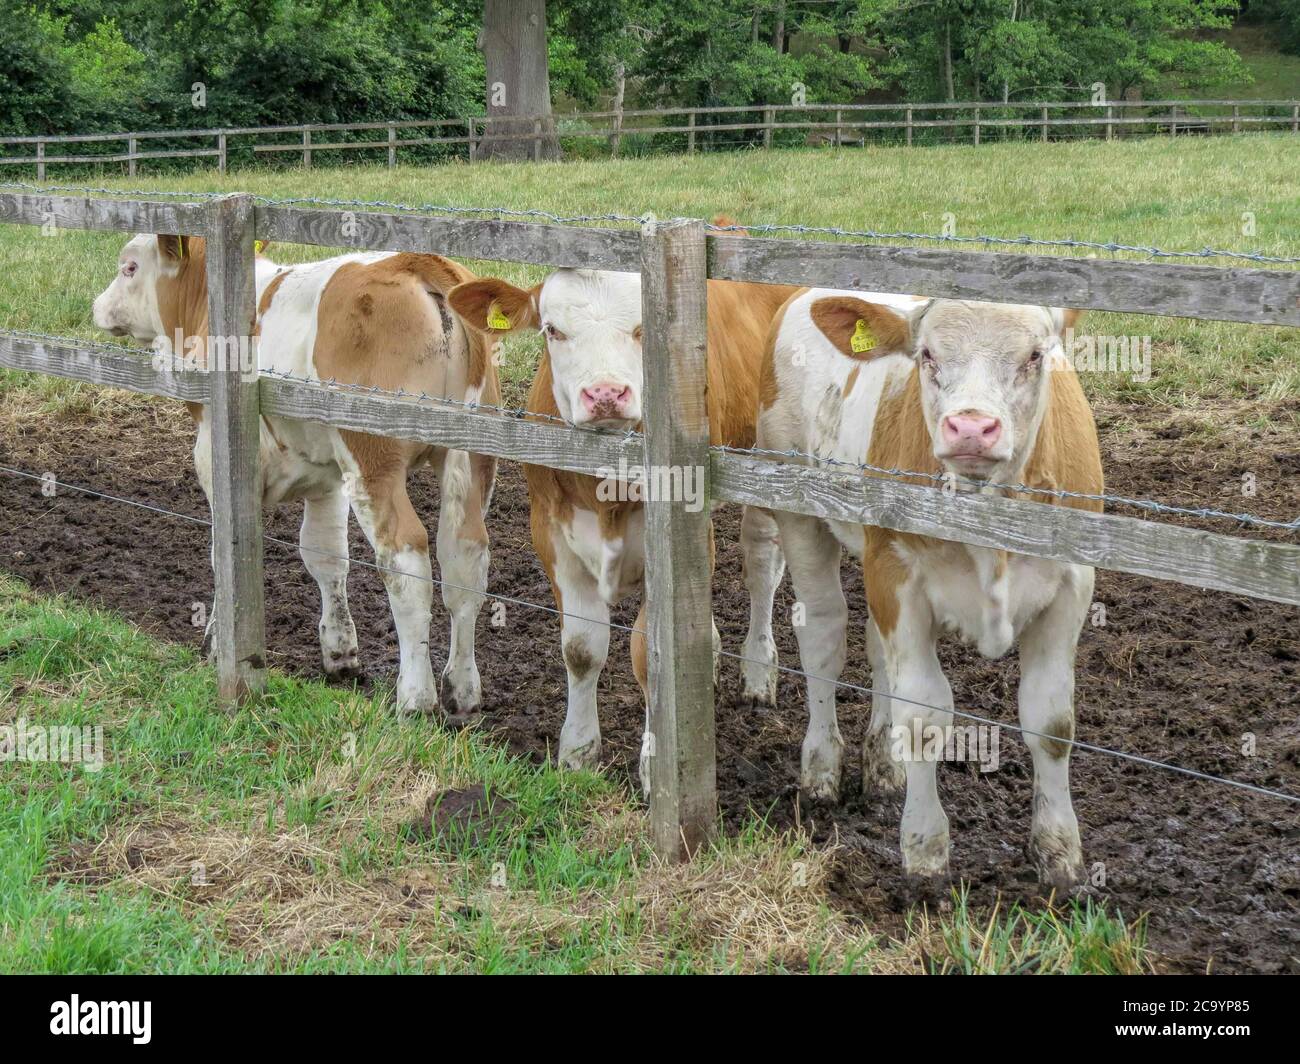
(1017, 241)
(618, 218)
(624, 436)
(29, 187)
(1151, 505)
(857, 688)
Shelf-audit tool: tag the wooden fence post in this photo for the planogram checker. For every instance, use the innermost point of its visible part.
(1236, 118)
(769, 118)
(1044, 125)
(977, 124)
(679, 616)
(40, 160)
(690, 134)
(131, 148)
(1295, 118)
(392, 146)
(221, 153)
(909, 127)
(469, 132)
(1110, 128)
(1173, 120)
(239, 624)
(306, 149)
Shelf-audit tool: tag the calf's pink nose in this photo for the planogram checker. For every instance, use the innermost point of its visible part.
(606, 397)
(971, 433)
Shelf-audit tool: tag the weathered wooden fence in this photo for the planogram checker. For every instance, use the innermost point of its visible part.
(687, 128)
(674, 258)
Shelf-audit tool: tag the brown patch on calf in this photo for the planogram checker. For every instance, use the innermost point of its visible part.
(1056, 737)
(849, 382)
(1066, 455)
(767, 385)
(577, 658)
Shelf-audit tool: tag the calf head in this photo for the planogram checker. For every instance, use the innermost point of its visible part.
(161, 284)
(982, 371)
(591, 322)
(151, 270)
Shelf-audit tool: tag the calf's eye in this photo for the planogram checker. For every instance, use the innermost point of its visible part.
(552, 333)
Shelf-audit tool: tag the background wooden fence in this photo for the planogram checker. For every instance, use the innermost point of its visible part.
(674, 258)
(685, 129)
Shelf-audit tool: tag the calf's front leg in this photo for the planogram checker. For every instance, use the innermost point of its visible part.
(463, 566)
(1047, 648)
(323, 546)
(813, 555)
(401, 547)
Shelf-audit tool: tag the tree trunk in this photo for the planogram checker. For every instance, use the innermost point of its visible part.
(778, 32)
(947, 62)
(620, 85)
(518, 82)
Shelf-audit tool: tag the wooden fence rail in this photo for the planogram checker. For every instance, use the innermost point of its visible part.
(839, 123)
(674, 257)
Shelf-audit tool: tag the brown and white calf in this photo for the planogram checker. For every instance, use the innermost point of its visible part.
(593, 546)
(982, 391)
(374, 320)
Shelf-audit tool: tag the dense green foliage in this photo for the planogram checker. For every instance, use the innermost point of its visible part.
(84, 65)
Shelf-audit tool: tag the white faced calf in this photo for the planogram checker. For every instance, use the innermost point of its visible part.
(377, 320)
(977, 390)
(591, 540)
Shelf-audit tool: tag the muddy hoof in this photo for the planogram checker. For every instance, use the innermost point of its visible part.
(753, 703)
(456, 718)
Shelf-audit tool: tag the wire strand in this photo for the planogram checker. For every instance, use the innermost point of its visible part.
(1090, 747)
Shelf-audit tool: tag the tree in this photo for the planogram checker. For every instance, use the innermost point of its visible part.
(518, 81)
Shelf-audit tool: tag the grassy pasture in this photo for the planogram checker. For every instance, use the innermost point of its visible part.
(277, 839)
(1181, 195)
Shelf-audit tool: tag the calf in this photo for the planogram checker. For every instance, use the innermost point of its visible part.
(977, 390)
(376, 320)
(591, 545)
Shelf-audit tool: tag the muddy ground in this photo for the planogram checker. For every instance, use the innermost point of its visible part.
(1175, 674)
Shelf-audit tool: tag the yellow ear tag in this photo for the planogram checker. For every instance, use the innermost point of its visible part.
(862, 339)
(495, 319)
(258, 245)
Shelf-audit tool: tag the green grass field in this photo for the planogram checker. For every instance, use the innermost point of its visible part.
(1181, 195)
(277, 839)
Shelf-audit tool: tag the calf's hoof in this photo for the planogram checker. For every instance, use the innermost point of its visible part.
(1058, 862)
(755, 701)
(461, 703)
(582, 755)
(819, 771)
(421, 702)
(881, 774)
(926, 857)
(341, 664)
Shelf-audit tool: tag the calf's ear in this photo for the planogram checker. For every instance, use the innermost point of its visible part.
(862, 330)
(1064, 319)
(173, 248)
(492, 305)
